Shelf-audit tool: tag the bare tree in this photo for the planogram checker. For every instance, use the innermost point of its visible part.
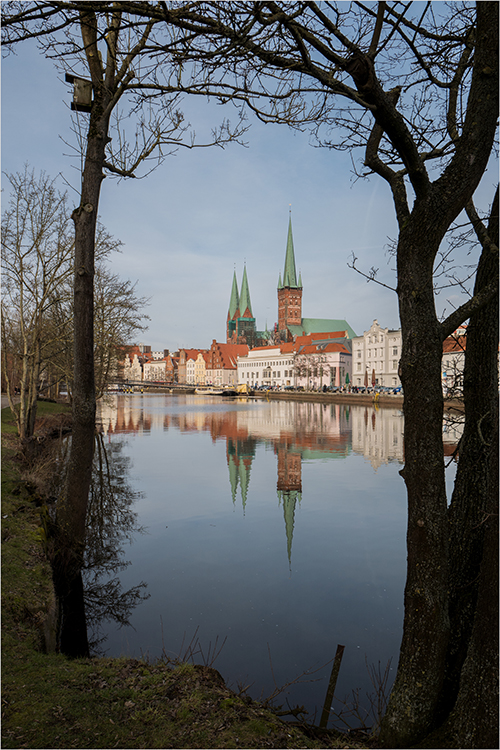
(37, 253)
(119, 317)
(110, 58)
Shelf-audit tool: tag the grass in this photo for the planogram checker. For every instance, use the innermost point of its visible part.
(51, 702)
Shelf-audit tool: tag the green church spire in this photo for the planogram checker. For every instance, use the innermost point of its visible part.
(245, 296)
(290, 274)
(235, 299)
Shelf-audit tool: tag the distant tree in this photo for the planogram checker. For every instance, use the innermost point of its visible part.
(37, 254)
(118, 318)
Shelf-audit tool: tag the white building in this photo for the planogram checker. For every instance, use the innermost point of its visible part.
(310, 362)
(155, 370)
(132, 367)
(266, 365)
(375, 356)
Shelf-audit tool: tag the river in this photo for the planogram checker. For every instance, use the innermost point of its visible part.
(271, 533)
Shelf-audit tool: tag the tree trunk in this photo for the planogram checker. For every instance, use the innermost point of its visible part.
(425, 633)
(477, 476)
(474, 720)
(73, 503)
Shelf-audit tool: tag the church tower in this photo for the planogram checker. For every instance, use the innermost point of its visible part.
(240, 325)
(233, 313)
(289, 292)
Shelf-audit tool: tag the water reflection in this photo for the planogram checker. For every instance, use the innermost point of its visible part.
(111, 523)
(297, 432)
(92, 594)
(279, 525)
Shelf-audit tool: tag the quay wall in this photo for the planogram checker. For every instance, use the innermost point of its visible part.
(347, 398)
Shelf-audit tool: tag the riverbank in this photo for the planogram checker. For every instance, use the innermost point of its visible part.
(50, 701)
(357, 399)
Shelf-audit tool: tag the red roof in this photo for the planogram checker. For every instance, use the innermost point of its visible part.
(454, 344)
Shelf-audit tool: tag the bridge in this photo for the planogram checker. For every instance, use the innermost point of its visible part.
(135, 386)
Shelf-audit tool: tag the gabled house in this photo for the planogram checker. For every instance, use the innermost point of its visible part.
(221, 368)
(133, 363)
(186, 366)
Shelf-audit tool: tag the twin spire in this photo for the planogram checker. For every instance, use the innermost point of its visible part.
(240, 320)
(240, 302)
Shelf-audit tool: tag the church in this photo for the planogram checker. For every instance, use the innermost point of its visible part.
(240, 324)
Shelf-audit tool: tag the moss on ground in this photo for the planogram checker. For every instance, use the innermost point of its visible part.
(49, 701)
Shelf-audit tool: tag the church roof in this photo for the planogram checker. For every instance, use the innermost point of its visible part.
(290, 274)
(245, 303)
(234, 302)
(321, 325)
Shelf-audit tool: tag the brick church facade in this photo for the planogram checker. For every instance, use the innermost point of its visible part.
(240, 322)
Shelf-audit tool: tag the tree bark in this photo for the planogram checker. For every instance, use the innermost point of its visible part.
(477, 476)
(426, 627)
(474, 720)
(73, 502)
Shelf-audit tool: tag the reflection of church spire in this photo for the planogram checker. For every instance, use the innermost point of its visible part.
(244, 473)
(289, 502)
(240, 454)
(233, 476)
(289, 490)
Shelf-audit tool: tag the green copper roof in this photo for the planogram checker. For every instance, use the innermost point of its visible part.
(235, 299)
(245, 296)
(289, 274)
(321, 325)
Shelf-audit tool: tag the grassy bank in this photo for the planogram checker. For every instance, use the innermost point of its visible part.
(49, 701)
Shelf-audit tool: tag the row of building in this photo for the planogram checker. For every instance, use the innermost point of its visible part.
(310, 353)
(311, 361)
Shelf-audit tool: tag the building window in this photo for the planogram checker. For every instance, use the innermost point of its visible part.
(359, 354)
(394, 364)
(394, 350)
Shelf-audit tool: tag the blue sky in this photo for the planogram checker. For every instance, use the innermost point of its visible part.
(204, 212)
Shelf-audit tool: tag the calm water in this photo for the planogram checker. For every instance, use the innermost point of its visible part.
(278, 526)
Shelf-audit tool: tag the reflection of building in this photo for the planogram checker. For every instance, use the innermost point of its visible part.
(296, 431)
(378, 434)
(125, 415)
(289, 489)
(240, 454)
